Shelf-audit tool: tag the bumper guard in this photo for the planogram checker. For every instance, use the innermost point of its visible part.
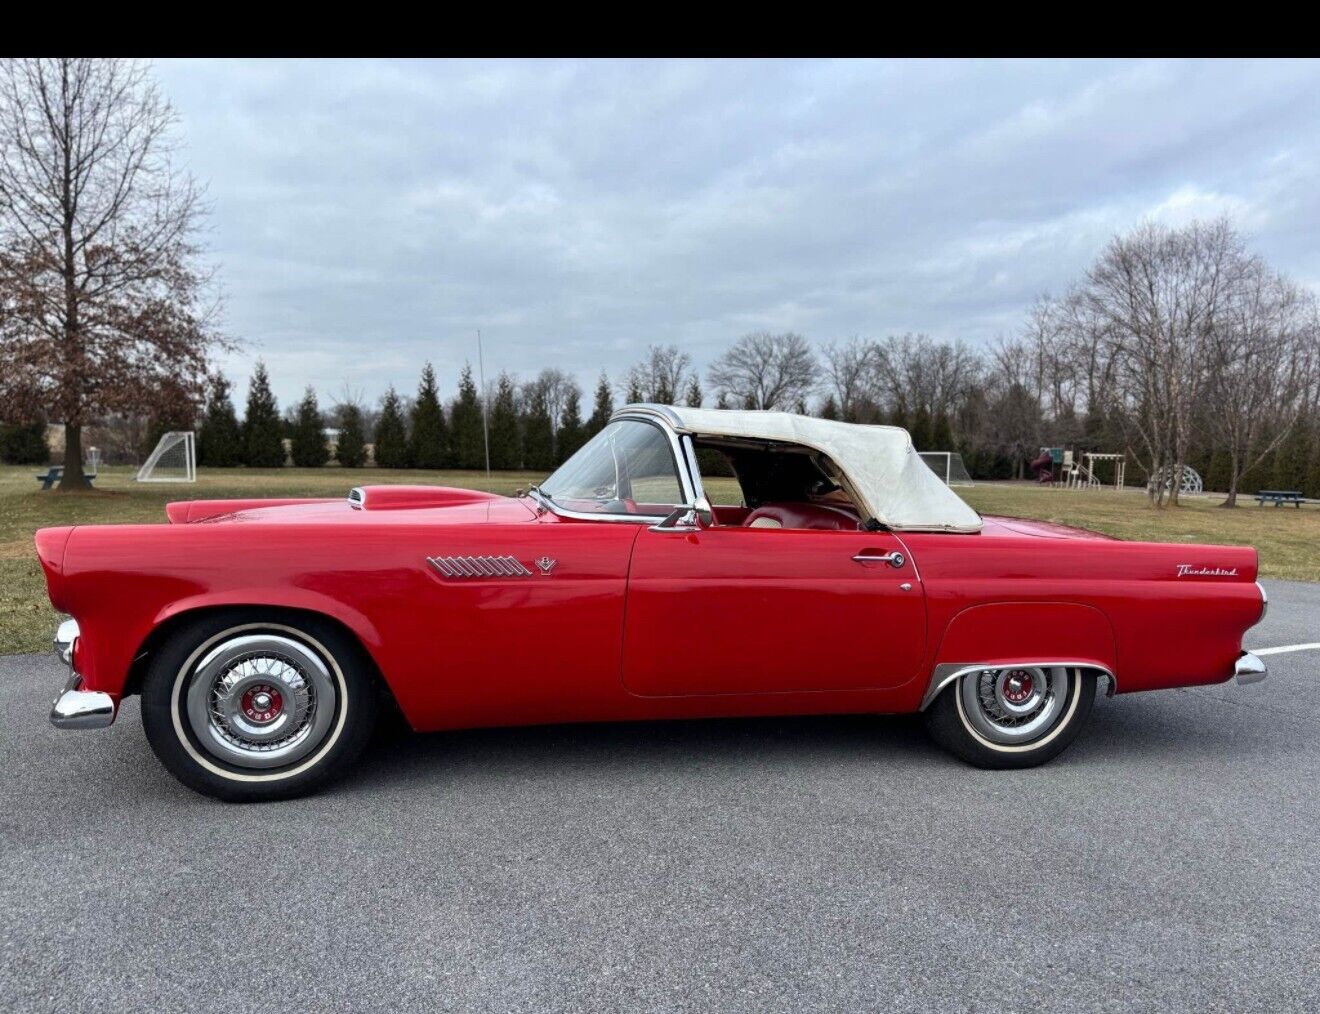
(76, 708)
(1249, 668)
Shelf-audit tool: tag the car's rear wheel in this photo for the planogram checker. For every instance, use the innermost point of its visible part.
(1015, 717)
(246, 707)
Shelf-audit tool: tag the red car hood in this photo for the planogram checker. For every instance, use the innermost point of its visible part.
(997, 526)
(435, 504)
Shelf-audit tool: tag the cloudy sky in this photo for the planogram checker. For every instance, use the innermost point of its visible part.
(369, 216)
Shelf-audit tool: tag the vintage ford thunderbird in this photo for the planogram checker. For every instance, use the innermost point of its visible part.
(262, 635)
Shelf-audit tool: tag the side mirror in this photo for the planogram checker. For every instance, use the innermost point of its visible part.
(681, 519)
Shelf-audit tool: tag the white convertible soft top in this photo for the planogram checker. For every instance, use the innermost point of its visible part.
(893, 483)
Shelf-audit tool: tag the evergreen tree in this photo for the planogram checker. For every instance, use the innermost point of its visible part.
(1292, 456)
(465, 420)
(1312, 482)
(635, 393)
(899, 416)
(941, 434)
(505, 447)
(351, 449)
(722, 402)
(920, 429)
(24, 443)
(571, 433)
(1261, 474)
(172, 411)
(391, 437)
(1216, 476)
(263, 446)
(219, 439)
(692, 396)
(603, 407)
(830, 409)
(428, 440)
(538, 433)
(308, 448)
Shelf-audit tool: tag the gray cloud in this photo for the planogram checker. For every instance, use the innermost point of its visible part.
(368, 216)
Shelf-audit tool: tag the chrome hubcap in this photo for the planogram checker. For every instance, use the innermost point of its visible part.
(1014, 706)
(260, 701)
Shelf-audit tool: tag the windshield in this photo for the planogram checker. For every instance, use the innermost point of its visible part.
(626, 468)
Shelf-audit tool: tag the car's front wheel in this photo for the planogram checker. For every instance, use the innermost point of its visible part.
(1014, 717)
(245, 707)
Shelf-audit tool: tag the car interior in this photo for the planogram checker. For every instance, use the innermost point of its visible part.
(783, 485)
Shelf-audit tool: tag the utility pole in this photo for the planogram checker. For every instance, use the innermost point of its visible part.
(485, 425)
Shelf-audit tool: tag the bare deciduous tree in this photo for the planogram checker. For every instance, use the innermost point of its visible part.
(103, 303)
(767, 371)
(850, 368)
(662, 377)
(553, 385)
(1262, 367)
(1155, 296)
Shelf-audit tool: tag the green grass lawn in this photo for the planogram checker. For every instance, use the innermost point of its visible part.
(1288, 539)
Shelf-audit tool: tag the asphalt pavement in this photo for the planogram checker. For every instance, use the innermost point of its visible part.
(1166, 862)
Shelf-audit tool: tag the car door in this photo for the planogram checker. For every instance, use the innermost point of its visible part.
(732, 610)
(513, 623)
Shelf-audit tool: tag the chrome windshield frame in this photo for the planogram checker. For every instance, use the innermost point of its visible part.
(684, 468)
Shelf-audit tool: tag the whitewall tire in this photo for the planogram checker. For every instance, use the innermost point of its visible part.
(1014, 717)
(245, 707)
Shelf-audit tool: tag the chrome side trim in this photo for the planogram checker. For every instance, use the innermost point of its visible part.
(479, 566)
(81, 709)
(1249, 669)
(635, 519)
(947, 672)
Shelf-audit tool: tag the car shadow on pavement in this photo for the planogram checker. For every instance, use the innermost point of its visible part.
(1164, 727)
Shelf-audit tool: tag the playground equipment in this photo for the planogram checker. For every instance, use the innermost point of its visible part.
(1190, 482)
(1083, 476)
(1043, 466)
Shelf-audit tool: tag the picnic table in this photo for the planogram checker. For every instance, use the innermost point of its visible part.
(53, 475)
(1279, 496)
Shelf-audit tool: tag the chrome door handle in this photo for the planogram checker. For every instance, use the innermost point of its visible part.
(894, 560)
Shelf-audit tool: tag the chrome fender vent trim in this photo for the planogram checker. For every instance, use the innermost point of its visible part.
(356, 497)
(478, 566)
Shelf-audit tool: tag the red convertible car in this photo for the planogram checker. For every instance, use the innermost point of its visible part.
(263, 635)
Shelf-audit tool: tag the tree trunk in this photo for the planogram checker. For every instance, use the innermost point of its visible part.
(1233, 476)
(72, 481)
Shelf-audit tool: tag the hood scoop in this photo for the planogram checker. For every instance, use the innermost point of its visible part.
(393, 498)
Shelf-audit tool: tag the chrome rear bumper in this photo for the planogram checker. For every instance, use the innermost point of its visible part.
(1249, 668)
(76, 708)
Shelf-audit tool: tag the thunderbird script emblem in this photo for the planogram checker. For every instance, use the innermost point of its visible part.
(546, 564)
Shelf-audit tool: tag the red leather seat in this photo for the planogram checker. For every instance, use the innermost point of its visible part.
(803, 515)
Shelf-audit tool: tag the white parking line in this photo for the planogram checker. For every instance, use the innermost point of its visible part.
(1285, 648)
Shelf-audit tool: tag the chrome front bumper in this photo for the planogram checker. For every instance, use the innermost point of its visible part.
(76, 708)
(1249, 668)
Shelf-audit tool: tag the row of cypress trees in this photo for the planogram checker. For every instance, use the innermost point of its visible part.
(423, 435)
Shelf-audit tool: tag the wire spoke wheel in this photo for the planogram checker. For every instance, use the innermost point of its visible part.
(260, 701)
(1015, 706)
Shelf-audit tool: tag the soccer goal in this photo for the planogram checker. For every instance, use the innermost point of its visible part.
(173, 460)
(948, 465)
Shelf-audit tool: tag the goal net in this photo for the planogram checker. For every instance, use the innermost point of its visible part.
(948, 465)
(173, 460)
